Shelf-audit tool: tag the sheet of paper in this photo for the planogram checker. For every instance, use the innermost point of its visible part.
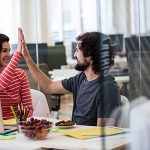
(7, 137)
(92, 132)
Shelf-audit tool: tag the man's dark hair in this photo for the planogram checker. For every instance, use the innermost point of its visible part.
(91, 46)
(3, 38)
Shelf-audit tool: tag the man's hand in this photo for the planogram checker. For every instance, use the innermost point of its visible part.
(19, 45)
(22, 42)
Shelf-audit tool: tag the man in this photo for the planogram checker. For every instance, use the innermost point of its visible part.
(95, 93)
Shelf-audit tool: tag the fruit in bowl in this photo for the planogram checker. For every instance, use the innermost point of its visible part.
(35, 128)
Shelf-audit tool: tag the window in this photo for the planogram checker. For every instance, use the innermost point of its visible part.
(9, 18)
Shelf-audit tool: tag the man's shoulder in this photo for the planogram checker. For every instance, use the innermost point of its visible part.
(81, 75)
(78, 78)
(109, 80)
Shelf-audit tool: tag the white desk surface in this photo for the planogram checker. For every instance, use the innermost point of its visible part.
(59, 141)
(124, 79)
(60, 74)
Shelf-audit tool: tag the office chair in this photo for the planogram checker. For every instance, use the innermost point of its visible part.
(32, 83)
(140, 127)
(56, 58)
(120, 114)
(40, 105)
(123, 120)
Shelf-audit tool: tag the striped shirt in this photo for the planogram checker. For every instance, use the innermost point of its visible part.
(14, 88)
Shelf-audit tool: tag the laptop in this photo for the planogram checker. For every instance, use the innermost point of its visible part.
(5, 129)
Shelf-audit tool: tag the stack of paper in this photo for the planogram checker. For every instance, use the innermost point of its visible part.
(8, 136)
(10, 122)
(92, 132)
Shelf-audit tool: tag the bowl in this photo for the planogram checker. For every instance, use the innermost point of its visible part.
(64, 123)
(35, 128)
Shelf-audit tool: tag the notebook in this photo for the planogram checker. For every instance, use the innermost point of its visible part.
(3, 128)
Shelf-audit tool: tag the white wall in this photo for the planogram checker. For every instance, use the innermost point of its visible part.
(33, 20)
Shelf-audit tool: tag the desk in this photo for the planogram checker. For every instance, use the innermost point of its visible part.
(60, 74)
(122, 79)
(60, 141)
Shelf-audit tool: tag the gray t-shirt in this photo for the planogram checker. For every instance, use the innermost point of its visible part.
(88, 95)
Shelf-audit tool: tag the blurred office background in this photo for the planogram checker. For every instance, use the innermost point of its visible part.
(51, 26)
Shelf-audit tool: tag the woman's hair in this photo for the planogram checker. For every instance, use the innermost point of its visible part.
(3, 38)
(93, 44)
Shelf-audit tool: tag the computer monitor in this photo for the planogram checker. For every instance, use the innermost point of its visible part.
(56, 57)
(134, 43)
(73, 48)
(59, 43)
(42, 52)
(138, 56)
(118, 38)
(139, 73)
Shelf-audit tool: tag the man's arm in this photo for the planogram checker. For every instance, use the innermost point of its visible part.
(46, 83)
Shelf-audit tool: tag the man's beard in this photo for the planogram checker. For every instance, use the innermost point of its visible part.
(81, 67)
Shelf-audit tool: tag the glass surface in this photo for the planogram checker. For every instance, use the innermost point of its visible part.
(60, 21)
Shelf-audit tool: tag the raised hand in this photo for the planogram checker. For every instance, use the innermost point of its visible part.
(24, 49)
(19, 45)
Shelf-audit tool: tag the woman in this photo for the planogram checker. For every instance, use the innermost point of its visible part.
(14, 85)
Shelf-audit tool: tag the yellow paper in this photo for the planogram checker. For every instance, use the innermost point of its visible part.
(92, 132)
(10, 122)
(7, 137)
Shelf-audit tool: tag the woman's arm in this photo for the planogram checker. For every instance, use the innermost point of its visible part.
(25, 93)
(6, 75)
